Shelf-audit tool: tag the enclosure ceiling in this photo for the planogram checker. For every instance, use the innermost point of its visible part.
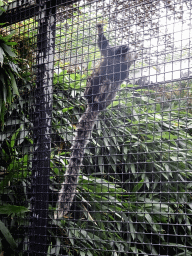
(16, 12)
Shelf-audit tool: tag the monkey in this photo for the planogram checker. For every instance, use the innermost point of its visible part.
(100, 91)
(102, 86)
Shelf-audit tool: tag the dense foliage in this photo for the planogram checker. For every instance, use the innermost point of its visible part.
(8, 70)
(135, 188)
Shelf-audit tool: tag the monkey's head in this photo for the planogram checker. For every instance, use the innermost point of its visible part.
(100, 28)
(123, 54)
(131, 58)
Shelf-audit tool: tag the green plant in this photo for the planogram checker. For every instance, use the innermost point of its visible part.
(8, 70)
(137, 153)
(15, 143)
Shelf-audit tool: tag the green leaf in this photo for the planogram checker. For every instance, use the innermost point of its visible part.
(14, 136)
(132, 168)
(14, 67)
(4, 230)
(13, 83)
(8, 50)
(12, 209)
(4, 89)
(2, 53)
(138, 186)
(11, 43)
(67, 109)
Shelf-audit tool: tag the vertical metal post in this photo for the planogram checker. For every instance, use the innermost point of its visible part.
(42, 128)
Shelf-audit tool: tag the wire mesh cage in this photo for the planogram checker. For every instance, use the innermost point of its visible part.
(96, 128)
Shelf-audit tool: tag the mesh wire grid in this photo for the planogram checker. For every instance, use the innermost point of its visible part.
(133, 194)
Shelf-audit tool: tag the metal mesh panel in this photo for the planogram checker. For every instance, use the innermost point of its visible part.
(96, 94)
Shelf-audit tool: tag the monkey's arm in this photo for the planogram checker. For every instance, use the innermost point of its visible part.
(103, 43)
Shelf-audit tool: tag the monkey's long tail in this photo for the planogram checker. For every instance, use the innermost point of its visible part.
(68, 188)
